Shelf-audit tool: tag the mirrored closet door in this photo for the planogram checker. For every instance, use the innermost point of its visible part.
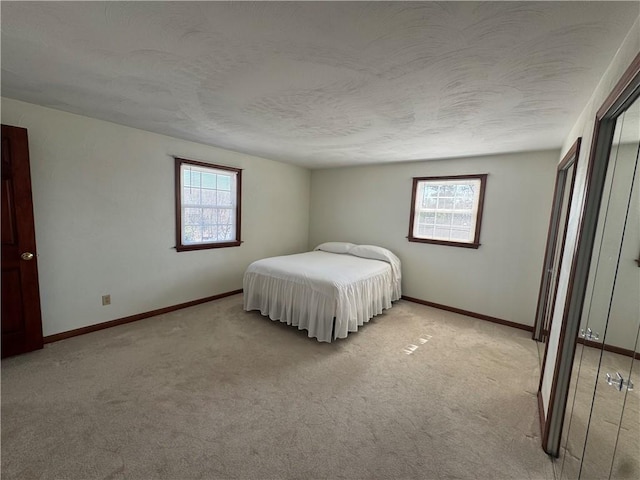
(601, 438)
(588, 394)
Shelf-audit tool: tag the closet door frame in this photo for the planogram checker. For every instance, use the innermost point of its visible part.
(625, 92)
(555, 229)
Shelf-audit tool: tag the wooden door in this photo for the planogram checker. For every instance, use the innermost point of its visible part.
(21, 320)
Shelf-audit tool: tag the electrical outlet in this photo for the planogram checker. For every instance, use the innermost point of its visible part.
(106, 300)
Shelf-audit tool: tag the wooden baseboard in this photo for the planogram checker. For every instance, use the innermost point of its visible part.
(133, 318)
(610, 348)
(469, 314)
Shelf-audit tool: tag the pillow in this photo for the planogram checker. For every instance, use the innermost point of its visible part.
(335, 247)
(377, 253)
(372, 252)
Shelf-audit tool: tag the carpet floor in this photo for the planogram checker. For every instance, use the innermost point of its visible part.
(214, 392)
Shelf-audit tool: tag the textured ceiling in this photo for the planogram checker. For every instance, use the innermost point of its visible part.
(320, 83)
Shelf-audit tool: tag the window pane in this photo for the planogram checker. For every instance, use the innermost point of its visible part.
(431, 202)
(195, 178)
(192, 234)
(462, 219)
(464, 190)
(224, 216)
(430, 197)
(447, 190)
(224, 198)
(443, 218)
(462, 235)
(192, 216)
(209, 180)
(427, 217)
(210, 233)
(224, 182)
(463, 203)
(442, 233)
(425, 230)
(225, 232)
(445, 203)
(209, 216)
(208, 197)
(191, 196)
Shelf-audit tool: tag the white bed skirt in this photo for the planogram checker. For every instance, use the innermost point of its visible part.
(309, 309)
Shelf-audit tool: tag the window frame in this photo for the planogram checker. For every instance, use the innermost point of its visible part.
(180, 247)
(476, 238)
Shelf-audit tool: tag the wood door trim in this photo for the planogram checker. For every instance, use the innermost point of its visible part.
(618, 95)
(570, 159)
(541, 415)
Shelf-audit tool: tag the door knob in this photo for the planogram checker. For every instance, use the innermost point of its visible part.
(589, 335)
(619, 382)
(27, 256)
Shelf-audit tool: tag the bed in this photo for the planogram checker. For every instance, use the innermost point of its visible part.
(329, 292)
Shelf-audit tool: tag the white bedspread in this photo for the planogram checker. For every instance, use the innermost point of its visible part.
(309, 289)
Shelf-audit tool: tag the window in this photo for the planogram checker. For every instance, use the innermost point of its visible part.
(207, 205)
(447, 210)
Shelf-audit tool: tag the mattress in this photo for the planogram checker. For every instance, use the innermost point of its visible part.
(310, 290)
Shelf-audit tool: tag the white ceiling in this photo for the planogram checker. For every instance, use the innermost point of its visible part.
(320, 83)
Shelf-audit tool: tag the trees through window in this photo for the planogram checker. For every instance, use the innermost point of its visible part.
(447, 210)
(207, 205)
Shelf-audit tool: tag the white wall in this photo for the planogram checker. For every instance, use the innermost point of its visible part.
(371, 204)
(105, 218)
(584, 128)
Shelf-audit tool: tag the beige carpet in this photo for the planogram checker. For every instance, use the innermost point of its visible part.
(213, 392)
